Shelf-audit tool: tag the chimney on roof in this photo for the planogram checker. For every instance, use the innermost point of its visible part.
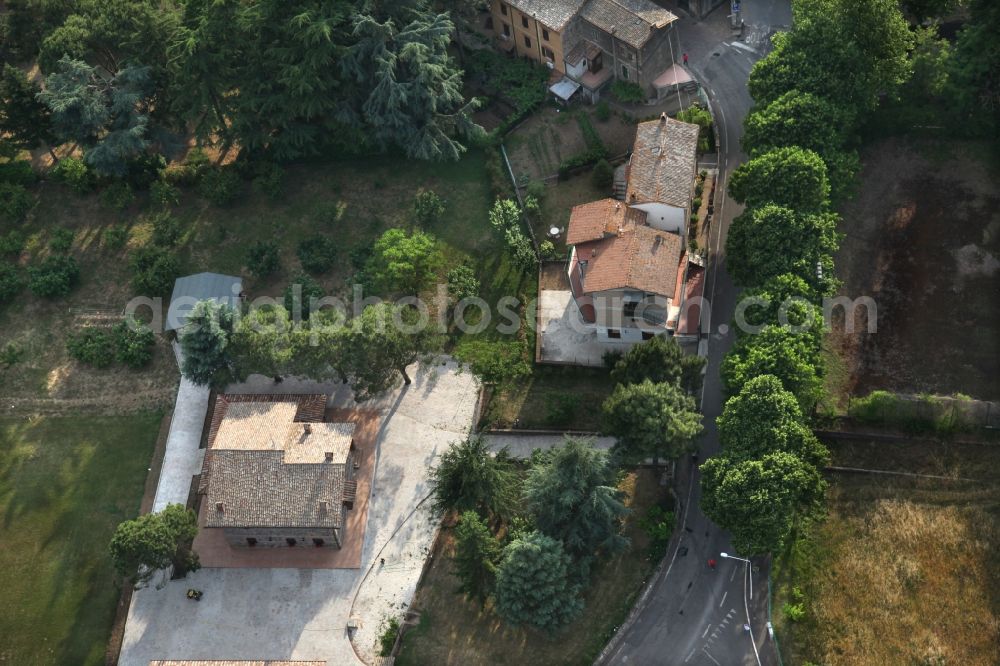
(613, 29)
(220, 507)
(593, 252)
(663, 116)
(329, 456)
(323, 505)
(307, 428)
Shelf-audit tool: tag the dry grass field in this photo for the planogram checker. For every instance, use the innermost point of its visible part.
(903, 570)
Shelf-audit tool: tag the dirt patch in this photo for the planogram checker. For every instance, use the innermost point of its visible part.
(922, 241)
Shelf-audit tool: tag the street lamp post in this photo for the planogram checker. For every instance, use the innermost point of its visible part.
(746, 606)
(749, 564)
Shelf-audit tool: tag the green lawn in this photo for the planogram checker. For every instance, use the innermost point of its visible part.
(566, 397)
(65, 483)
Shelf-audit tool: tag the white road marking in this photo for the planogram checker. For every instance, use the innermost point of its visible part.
(732, 575)
(745, 47)
(711, 657)
(689, 656)
(723, 598)
(706, 629)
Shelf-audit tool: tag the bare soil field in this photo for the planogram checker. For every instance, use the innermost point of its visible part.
(922, 238)
(902, 570)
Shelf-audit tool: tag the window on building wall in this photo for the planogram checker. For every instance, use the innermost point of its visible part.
(527, 42)
(629, 310)
(506, 30)
(290, 541)
(524, 21)
(547, 52)
(624, 72)
(614, 333)
(251, 542)
(647, 335)
(318, 543)
(503, 9)
(545, 34)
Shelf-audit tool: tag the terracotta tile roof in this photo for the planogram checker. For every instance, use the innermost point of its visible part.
(553, 13)
(663, 164)
(591, 221)
(271, 461)
(632, 21)
(641, 257)
(259, 489)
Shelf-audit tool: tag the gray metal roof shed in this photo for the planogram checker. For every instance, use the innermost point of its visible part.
(225, 289)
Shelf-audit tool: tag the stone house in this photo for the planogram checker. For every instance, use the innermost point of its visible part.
(275, 474)
(630, 271)
(590, 42)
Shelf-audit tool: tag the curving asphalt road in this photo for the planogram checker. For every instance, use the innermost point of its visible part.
(692, 614)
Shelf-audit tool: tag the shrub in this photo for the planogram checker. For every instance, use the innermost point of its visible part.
(328, 213)
(145, 169)
(628, 92)
(602, 111)
(12, 243)
(73, 173)
(163, 193)
(263, 258)
(428, 207)
(116, 237)
(560, 408)
(166, 229)
(133, 344)
(317, 254)
(794, 612)
(696, 203)
(220, 185)
(11, 355)
(698, 188)
(15, 201)
(603, 175)
(18, 172)
(547, 249)
(580, 160)
(387, 639)
(531, 204)
(494, 362)
(93, 346)
(536, 189)
(54, 277)
(611, 357)
(11, 281)
(658, 523)
(197, 161)
(61, 240)
(117, 196)
(269, 180)
(462, 282)
(154, 270)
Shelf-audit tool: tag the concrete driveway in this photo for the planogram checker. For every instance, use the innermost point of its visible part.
(303, 613)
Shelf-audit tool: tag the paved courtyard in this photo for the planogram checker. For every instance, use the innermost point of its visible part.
(303, 613)
(565, 337)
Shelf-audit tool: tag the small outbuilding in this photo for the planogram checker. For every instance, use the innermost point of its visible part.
(224, 289)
